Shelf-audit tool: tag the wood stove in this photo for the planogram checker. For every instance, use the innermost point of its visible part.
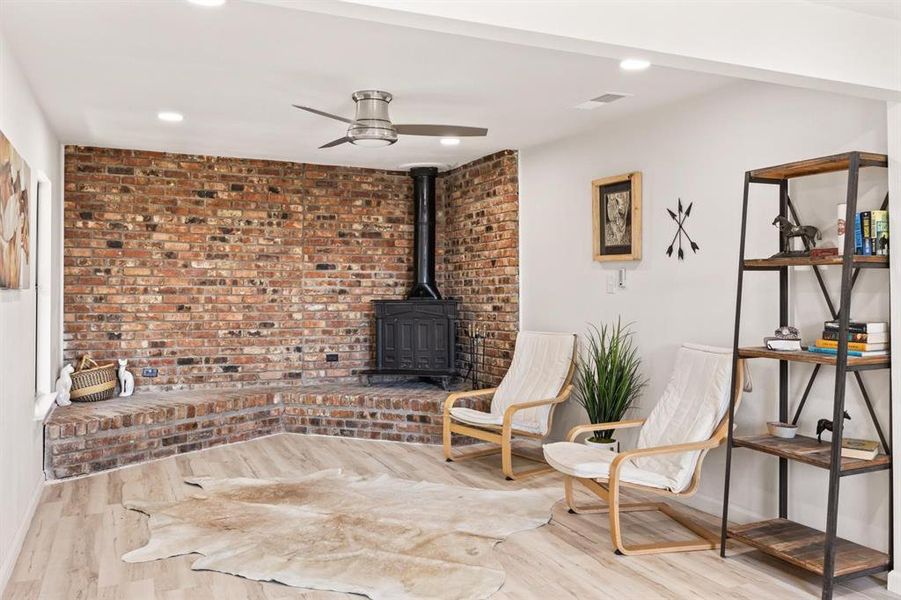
(417, 336)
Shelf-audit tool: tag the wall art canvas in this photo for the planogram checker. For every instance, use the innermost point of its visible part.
(15, 198)
(616, 217)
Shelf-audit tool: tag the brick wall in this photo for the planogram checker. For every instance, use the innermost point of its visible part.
(223, 271)
(479, 254)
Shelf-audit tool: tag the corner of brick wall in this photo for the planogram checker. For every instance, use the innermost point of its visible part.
(479, 255)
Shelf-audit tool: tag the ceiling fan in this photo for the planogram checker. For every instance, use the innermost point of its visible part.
(371, 125)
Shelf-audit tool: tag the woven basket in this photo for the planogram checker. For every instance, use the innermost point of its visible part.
(92, 382)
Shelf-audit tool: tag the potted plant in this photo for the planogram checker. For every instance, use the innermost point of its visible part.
(609, 379)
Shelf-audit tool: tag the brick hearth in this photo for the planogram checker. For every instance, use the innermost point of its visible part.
(87, 438)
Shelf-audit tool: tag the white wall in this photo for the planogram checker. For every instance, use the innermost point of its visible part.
(21, 473)
(698, 151)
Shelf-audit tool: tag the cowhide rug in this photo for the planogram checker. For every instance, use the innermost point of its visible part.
(380, 536)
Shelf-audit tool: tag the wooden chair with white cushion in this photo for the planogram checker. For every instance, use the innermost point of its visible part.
(539, 378)
(689, 420)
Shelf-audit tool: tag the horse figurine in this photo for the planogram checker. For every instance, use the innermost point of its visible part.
(826, 425)
(126, 380)
(808, 233)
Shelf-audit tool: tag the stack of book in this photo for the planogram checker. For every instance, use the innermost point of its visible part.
(860, 449)
(864, 339)
(871, 233)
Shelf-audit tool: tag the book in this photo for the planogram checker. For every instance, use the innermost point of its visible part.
(782, 345)
(854, 353)
(866, 233)
(861, 449)
(873, 338)
(858, 235)
(880, 232)
(859, 327)
(862, 346)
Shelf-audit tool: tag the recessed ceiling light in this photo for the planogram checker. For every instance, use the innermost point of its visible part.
(634, 64)
(207, 2)
(450, 141)
(170, 117)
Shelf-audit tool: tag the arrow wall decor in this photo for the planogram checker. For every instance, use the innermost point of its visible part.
(680, 219)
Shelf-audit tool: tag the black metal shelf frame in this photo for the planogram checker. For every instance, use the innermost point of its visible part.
(850, 274)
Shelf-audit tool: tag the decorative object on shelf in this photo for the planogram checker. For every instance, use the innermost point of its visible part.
(609, 377)
(477, 334)
(840, 227)
(823, 252)
(126, 380)
(785, 339)
(808, 234)
(64, 385)
(826, 425)
(680, 230)
(616, 217)
(782, 430)
(92, 382)
(15, 200)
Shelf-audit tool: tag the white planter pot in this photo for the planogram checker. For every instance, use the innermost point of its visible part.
(611, 446)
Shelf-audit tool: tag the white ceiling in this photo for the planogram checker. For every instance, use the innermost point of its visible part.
(103, 69)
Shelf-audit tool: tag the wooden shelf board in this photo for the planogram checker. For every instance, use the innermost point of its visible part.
(863, 261)
(815, 166)
(803, 547)
(813, 357)
(807, 450)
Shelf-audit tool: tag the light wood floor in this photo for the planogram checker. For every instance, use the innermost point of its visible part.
(80, 531)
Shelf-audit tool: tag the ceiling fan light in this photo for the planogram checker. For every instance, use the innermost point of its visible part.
(450, 141)
(372, 142)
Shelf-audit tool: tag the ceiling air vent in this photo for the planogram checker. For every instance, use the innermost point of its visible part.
(601, 100)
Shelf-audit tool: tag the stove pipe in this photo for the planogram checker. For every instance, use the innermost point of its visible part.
(424, 234)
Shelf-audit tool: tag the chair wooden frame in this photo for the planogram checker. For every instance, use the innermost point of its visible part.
(609, 489)
(502, 435)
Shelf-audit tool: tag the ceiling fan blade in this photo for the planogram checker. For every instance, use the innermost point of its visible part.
(334, 143)
(441, 130)
(322, 113)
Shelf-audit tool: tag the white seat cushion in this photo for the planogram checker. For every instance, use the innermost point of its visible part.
(691, 407)
(586, 462)
(540, 364)
(470, 416)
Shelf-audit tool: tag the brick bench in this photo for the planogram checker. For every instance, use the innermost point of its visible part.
(87, 438)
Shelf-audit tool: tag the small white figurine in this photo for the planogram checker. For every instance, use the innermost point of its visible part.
(126, 380)
(64, 385)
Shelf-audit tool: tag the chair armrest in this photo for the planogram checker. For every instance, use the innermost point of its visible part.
(514, 408)
(452, 398)
(579, 429)
(671, 449)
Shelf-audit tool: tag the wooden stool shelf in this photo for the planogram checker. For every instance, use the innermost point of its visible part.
(811, 452)
(804, 547)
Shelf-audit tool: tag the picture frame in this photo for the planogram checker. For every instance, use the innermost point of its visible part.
(616, 217)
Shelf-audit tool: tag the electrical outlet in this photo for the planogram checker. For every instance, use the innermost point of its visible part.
(331, 358)
(611, 283)
(150, 372)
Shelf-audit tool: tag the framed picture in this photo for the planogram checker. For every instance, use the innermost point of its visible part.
(616, 217)
(15, 191)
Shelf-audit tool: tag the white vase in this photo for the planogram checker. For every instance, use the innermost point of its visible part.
(611, 446)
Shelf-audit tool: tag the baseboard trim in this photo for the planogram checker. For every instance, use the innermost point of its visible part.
(894, 581)
(6, 569)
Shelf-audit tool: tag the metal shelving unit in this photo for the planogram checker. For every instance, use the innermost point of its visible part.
(821, 552)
